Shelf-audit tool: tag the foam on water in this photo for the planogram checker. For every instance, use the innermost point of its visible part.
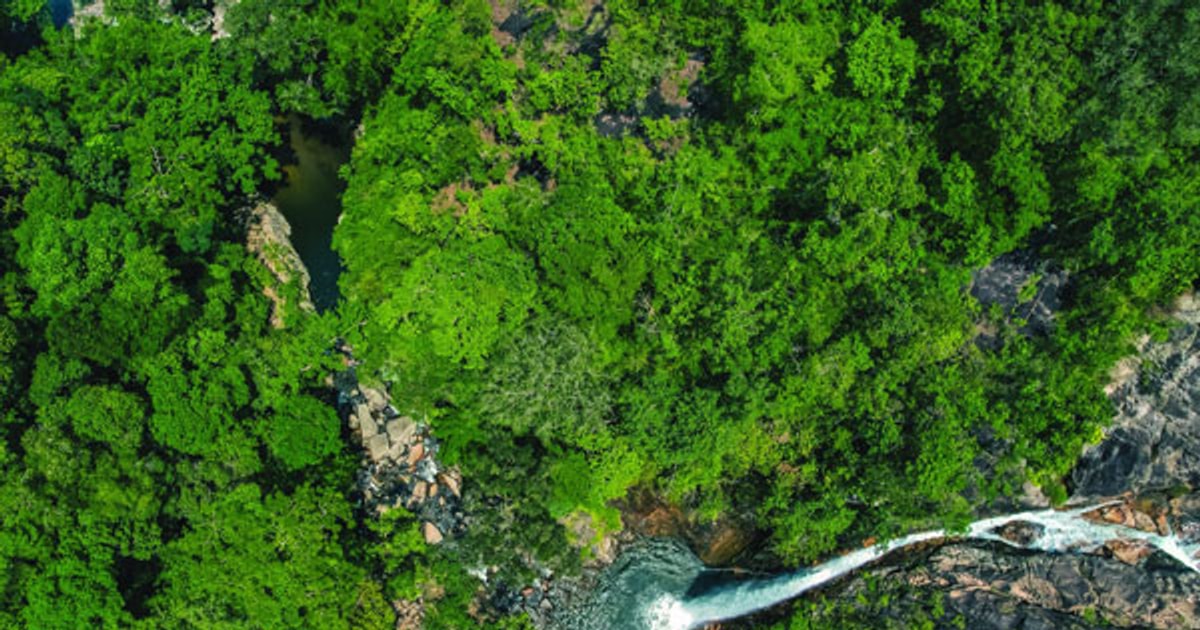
(1058, 532)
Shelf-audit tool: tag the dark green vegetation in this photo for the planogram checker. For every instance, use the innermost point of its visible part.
(760, 306)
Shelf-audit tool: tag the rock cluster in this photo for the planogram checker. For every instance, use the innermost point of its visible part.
(410, 615)
(400, 468)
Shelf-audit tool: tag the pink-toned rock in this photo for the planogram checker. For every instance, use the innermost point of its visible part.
(433, 535)
(416, 453)
(420, 491)
(453, 482)
(1127, 552)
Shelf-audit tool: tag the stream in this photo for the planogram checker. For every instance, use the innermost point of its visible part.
(660, 585)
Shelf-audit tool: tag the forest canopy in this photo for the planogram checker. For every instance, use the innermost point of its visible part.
(723, 252)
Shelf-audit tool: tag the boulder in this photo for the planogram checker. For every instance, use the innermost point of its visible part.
(416, 453)
(401, 430)
(366, 422)
(1025, 288)
(377, 447)
(1129, 552)
(269, 238)
(376, 399)
(1021, 533)
(396, 452)
(432, 534)
(452, 480)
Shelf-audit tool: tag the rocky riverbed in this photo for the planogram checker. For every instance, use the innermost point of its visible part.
(1149, 458)
(400, 466)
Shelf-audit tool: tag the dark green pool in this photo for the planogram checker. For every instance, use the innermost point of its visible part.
(311, 201)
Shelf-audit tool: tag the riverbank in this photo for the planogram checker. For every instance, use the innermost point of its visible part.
(1132, 563)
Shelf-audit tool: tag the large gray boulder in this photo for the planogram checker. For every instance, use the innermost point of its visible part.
(1154, 442)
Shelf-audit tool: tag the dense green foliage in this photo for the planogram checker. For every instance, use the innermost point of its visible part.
(756, 301)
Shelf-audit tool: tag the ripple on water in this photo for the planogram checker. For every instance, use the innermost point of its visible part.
(642, 590)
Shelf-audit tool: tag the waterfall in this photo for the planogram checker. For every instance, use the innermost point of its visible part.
(1053, 531)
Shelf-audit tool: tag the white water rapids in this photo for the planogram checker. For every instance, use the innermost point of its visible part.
(1059, 532)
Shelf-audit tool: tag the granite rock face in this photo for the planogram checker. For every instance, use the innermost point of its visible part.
(1154, 442)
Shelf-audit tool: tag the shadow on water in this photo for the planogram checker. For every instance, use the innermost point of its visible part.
(61, 12)
(311, 202)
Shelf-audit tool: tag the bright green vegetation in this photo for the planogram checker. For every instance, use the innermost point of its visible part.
(759, 307)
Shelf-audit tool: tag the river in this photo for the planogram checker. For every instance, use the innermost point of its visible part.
(660, 585)
(311, 202)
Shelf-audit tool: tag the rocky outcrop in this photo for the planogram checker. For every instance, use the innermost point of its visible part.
(1024, 289)
(1002, 591)
(1154, 442)
(716, 543)
(400, 467)
(268, 237)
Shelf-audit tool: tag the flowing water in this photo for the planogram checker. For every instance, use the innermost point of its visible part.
(654, 586)
(311, 202)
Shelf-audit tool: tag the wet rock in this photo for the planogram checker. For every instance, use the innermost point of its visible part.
(1021, 533)
(719, 544)
(431, 532)
(426, 469)
(991, 587)
(1129, 552)
(400, 468)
